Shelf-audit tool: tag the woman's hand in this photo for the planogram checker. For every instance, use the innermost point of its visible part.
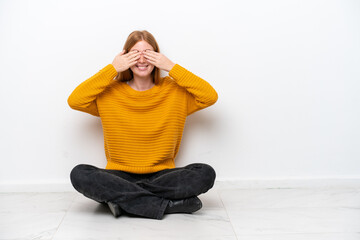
(123, 61)
(158, 60)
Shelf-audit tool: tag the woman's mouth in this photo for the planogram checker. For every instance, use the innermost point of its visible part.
(142, 67)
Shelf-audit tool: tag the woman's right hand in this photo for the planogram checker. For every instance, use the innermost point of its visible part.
(123, 61)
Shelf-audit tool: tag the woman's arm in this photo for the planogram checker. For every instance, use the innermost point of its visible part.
(83, 98)
(201, 93)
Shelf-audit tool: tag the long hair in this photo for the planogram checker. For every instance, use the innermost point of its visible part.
(132, 39)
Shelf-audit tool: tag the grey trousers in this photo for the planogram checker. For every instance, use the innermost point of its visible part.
(145, 195)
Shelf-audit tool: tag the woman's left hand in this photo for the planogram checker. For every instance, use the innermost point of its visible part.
(159, 60)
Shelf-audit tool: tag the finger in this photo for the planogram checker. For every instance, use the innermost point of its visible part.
(153, 58)
(134, 57)
(151, 61)
(134, 52)
(150, 53)
(132, 63)
(131, 55)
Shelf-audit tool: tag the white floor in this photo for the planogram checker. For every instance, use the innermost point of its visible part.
(227, 214)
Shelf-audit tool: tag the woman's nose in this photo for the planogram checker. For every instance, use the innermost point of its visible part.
(142, 58)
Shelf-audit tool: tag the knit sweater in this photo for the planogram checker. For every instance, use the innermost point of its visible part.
(142, 129)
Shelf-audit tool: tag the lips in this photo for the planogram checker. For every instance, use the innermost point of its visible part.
(142, 67)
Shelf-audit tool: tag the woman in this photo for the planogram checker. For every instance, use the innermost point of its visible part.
(143, 117)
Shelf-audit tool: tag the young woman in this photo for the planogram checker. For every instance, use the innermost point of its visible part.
(143, 117)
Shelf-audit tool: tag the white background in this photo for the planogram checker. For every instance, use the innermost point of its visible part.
(287, 74)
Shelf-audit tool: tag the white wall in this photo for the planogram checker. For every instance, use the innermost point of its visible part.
(287, 74)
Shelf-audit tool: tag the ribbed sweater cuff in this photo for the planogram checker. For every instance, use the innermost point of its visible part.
(110, 71)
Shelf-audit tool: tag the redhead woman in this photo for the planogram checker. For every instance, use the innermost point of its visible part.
(143, 117)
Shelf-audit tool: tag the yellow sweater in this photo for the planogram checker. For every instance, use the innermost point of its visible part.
(142, 129)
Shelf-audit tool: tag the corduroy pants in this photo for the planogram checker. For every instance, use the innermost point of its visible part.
(144, 195)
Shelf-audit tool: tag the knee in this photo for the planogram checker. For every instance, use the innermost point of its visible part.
(209, 175)
(206, 172)
(78, 172)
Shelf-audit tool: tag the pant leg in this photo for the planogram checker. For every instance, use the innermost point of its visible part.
(179, 183)
(104, 185)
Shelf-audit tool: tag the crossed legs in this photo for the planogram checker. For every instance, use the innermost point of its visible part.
(145, 195)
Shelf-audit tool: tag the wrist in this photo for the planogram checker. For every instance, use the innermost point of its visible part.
(170, 67)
